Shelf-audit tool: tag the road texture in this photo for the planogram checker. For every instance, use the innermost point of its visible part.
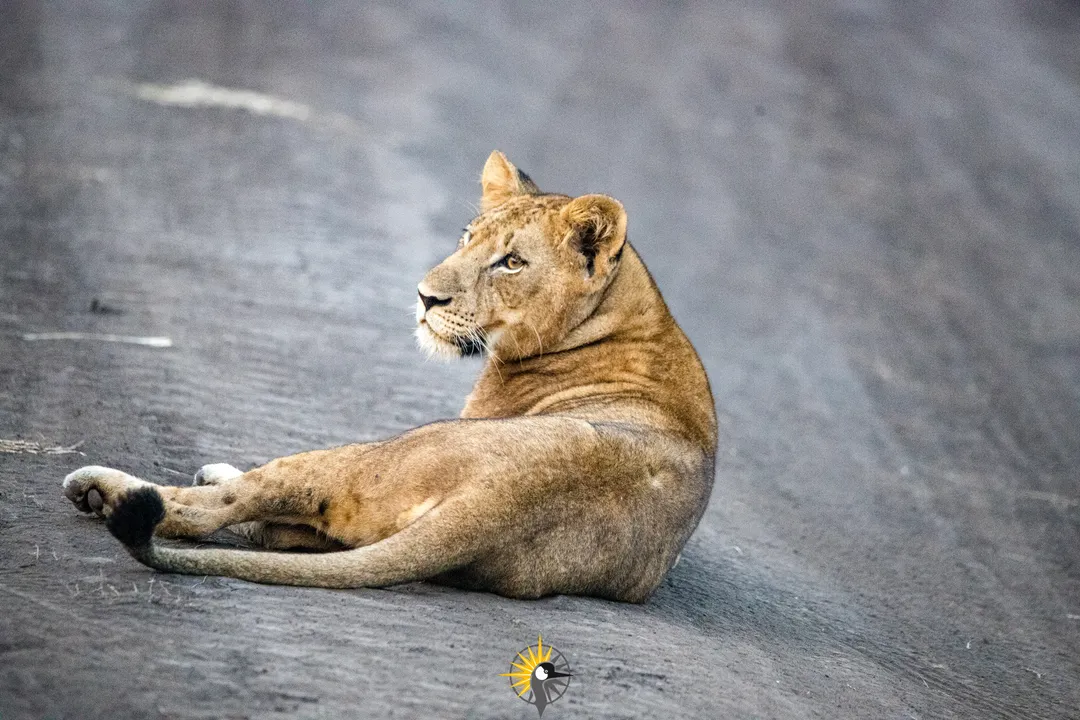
(865, 214)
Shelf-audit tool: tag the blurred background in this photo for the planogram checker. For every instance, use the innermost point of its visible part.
(865, 214)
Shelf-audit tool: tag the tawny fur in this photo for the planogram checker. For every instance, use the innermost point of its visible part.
(581, 463)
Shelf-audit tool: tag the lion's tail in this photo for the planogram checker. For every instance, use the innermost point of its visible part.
(424, 549)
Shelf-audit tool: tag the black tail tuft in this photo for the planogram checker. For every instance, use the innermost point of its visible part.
(134, 518)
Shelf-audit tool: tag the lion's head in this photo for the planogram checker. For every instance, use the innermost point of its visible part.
(527, 271)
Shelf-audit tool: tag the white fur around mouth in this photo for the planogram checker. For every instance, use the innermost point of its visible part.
(435, 345)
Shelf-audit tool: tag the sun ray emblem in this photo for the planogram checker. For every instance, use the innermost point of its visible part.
(539, 675)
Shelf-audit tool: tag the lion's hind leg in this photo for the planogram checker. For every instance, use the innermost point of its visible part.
(223, 498)
(193, 512)
(270, 535)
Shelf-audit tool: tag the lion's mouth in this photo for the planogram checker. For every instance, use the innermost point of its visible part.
(440, 344)
(469, 346)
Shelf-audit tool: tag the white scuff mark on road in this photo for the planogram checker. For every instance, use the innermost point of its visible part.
(196, 93)
(158, 342)
(30, 447)
(1061, 501)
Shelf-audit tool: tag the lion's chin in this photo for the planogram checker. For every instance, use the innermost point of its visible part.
(457, 346)
(435, 346)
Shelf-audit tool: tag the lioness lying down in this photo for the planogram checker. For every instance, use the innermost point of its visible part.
(581, 463)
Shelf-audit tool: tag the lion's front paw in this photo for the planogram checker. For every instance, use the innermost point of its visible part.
(96, 489)
(216, 474)
(77, 486)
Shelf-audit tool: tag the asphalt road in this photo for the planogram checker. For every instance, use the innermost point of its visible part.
(866, 215)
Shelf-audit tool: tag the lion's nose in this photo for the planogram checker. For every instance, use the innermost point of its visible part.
(431, 301)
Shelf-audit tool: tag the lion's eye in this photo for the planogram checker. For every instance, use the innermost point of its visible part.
(511, 263)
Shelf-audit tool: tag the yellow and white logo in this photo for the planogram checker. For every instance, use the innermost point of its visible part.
(539, 675)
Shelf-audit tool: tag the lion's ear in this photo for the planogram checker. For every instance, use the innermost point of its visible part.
(501, 181)
(597, 230)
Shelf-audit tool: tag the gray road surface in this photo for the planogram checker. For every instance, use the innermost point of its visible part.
(866, 215)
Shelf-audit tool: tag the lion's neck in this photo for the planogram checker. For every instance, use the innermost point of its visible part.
(626, 360)
(631, 308)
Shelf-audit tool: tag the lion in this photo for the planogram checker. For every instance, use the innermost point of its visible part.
(582, 460)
